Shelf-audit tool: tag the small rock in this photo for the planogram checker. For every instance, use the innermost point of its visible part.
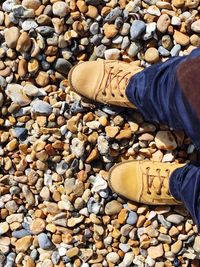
(155, 251)
(181, 38)
(60, 9)
(196, 245)
(165, 140)
(151, 55)
(196, 26)
(44, 242)
(37, 226)
(77, 147)
(132, 218)
(175, 218)
(41, 107)
(110, 30)
(112, 54)
(113, 207)
(11, 36)
(112, 257)
(23, 244)
(15, 92)
(30, 89)
(163, 23)
(137, 28)
(176, 247)
(4, 228)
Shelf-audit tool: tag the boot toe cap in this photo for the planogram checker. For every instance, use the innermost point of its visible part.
(85, 78)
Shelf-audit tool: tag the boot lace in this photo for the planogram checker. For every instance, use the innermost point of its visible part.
(120, 76)
(150, 179)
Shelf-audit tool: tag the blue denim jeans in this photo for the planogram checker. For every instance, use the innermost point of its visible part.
(156, 93)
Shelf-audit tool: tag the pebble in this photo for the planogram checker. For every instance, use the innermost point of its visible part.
(112, 257)
(132, 218)
(181, 38)
(23, 244)
(155, 251)
(60, 9)
(15, 92)
(113, 207)
(165, 140)
(112, 54)
(44, 242)
(137, 28)
(40, 107)
(4, 228)
(176, 247)
(163, 23)
(175, 218)
(196, 245)
(11, 36)
(151, 55)
(196, 26)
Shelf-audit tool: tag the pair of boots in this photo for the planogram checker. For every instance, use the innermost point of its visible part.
(105, 81)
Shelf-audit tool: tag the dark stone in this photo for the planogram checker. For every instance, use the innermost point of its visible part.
(63, 66)
(45, 31)
(114, 13)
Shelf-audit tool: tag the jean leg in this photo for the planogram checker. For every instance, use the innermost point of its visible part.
(185, 186)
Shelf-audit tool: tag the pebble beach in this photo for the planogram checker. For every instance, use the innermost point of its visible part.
(56, 148)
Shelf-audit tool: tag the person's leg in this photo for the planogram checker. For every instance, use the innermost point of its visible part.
(184, 186)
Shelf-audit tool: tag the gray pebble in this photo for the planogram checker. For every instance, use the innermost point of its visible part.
(40, 107)
(44, 242)
(8, 5)
(34, 254)
(77, 147)
(125, 43)
(10, 259)
(132, 218)
(20, 233)
(100, 50)
(93, 206)
(125, 29)
(21, 12)
(117, 40)
(114, 13)
(119, 22)
(19, 132)
(94, 28)
(175, 50)
(175, 218)
(124, 247)
(45, 31)
(163, 51)
(63, 66)
(137, 28)
(29, 24)
(103, 145)
(3, 81)
(164, 222)
(55, 257)
(61, 167)
(96, 39)
(134, 48)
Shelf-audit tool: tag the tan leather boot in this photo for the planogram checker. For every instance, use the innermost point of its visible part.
(143, 181)
(104, 81)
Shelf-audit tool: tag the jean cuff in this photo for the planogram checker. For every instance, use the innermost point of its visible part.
(174, 184)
